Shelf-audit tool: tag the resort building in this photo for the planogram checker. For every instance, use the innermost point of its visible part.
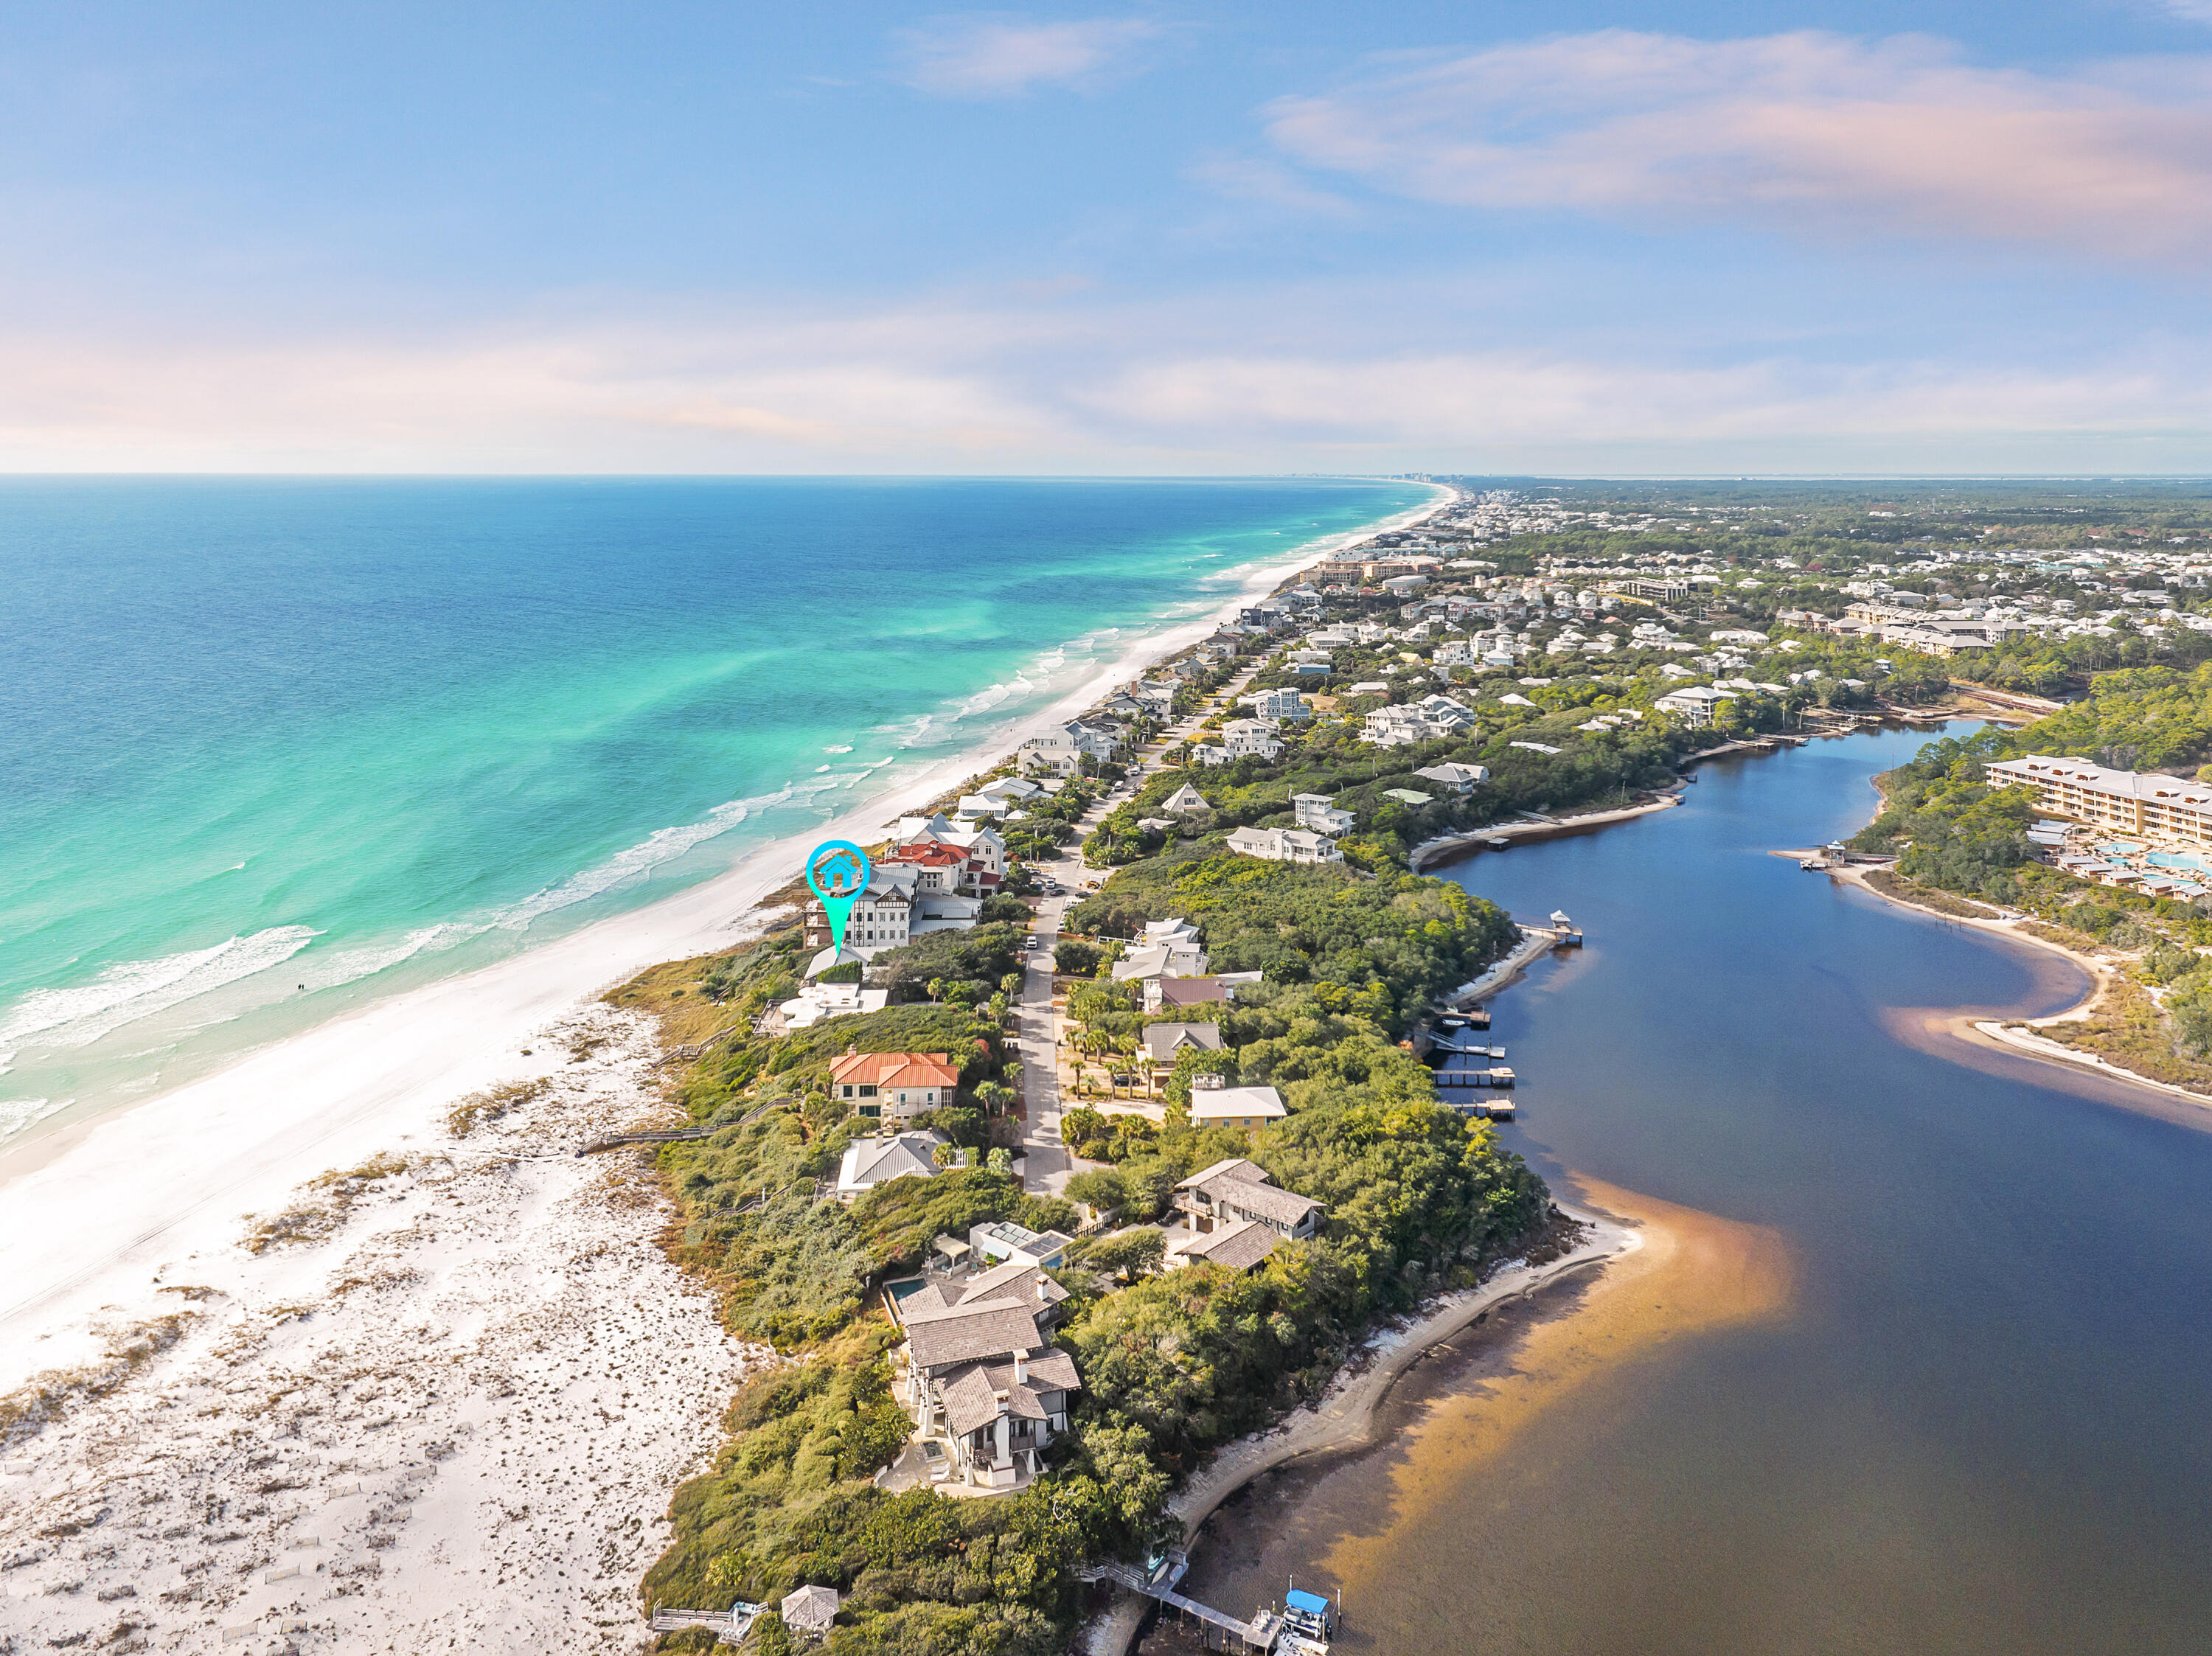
(2162, 808)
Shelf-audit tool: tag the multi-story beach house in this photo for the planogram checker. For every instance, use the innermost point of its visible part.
(1053, 752)
(986, 850)
(1250, 738)
(986, 1389)
(893, 1086)
(1314, 810)
(1284, 706)
(2165, 808)
(1238, 1191)
(1285, 846)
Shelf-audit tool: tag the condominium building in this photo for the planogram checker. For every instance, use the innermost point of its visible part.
(2161, 807)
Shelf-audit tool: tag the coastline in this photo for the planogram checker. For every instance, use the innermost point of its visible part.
(1710, 1272)
(1974, 1029)
(1966, 1026)
(91, 1210)
(1436, 851)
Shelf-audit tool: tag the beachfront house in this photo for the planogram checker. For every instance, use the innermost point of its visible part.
(1053, 752)
(1285, 846)
(897, 907)
(893, 1086)
(1285, 705)
(879, 1158)
(986, 1389)
(985, 850)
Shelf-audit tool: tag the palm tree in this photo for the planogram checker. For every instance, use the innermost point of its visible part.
(936, 988)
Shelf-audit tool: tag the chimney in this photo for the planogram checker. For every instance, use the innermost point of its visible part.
(1021, 1368)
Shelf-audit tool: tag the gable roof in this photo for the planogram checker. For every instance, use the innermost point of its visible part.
(972, 1332)
(1269, 1202)
(872, 1161)
(1165, 1040)
(1240, 1247)
(1015, 1279)
(1235, 1167)
(1190, 991)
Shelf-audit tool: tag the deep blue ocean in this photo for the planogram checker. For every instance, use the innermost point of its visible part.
(270, 748)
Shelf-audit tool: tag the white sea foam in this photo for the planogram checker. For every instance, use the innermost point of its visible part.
(17, 1114)
(346, 966)
(847, 748)
(132, 990)
(663, 845)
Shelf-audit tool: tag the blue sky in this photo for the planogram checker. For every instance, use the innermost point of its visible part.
(1174, 238)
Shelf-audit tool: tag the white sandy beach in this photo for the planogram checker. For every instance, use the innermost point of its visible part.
(453, 1423)
(98, 1222)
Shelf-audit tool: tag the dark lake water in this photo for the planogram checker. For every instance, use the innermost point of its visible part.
(1982, 1422)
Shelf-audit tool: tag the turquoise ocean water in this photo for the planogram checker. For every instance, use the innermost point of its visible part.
(271, 748)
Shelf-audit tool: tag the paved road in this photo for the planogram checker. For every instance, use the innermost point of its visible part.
(1048, 1165)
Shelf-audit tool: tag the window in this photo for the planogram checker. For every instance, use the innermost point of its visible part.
(867, 1090)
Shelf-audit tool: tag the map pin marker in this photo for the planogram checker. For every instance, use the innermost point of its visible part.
(838, 870)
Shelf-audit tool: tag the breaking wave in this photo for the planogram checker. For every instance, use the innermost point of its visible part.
(137, 989)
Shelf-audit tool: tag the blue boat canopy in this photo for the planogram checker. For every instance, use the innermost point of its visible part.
(1312, 1603)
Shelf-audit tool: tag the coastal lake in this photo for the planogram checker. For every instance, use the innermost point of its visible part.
(1921, 1364)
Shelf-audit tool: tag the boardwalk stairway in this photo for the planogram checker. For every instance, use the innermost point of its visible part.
(731, 1625)
(616, 1141)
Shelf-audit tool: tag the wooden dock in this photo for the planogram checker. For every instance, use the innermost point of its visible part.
(1258, 1634)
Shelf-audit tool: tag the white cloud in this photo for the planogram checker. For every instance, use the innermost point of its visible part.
(1066, 385)
(1808, 131)
(1006, 57)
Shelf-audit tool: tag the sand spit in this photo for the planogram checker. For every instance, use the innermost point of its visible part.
(1695, 1274)
(441, 1408)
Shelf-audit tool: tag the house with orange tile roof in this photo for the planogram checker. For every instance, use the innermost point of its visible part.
(893, 1086)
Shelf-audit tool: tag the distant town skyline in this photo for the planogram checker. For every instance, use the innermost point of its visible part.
(1209, 238)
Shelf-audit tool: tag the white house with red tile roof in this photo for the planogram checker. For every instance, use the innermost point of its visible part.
(894, 1085)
